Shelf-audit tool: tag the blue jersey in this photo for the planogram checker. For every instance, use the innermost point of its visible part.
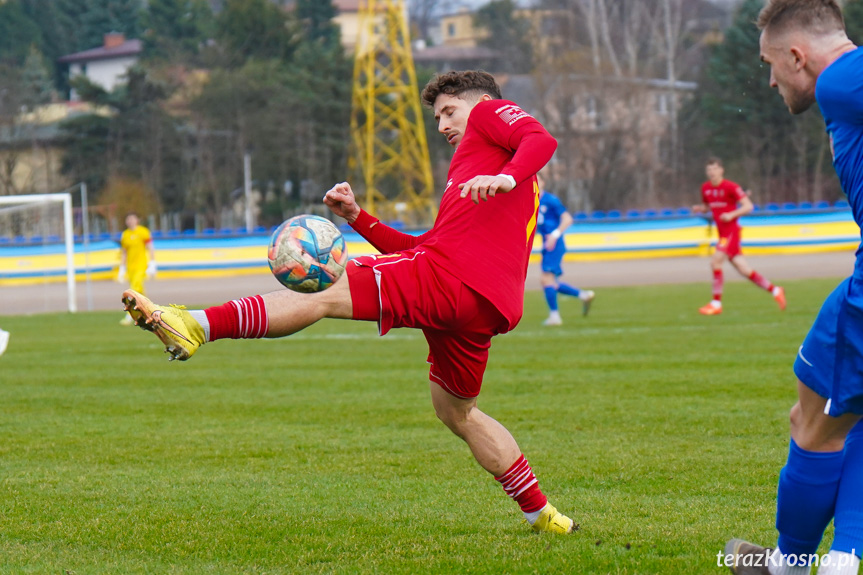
(839, 92)
(550, 211)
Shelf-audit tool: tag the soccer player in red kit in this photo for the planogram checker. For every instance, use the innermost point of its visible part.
(461, 283)
(729, 202)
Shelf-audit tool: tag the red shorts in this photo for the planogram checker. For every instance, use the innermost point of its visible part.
(409, 289)
(729, 243)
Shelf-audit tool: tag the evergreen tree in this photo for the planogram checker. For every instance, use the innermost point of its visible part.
(176, 29)
(17, 33)
(316, 19)
(100, 17)
(853, 12)
(36, 75)
(254, 29)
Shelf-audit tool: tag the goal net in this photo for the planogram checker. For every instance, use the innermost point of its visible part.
(37, 268)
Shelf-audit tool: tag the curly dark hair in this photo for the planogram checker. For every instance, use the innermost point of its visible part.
(465, 84)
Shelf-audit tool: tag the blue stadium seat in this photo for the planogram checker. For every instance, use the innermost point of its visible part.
(261, 230)
(841, 204)
(345, 228)
(189, 233)
(757, 208)
(209, 232)
(633, 214)
(173, 233)
(650, 213)
(684, 212)
(772, 207)
(396, 224)
(615, 214)
(822, 205)
(804, 206)
(789, 206)
(156, 234)
(580, 216)
(226, 231)
(598, 215)
(20, 240)
(666, 213)
(241, 230)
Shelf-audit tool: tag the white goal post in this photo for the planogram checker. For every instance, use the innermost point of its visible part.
(27, 201)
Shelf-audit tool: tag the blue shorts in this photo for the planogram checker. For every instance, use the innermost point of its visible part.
(830, 361)
(551, 260)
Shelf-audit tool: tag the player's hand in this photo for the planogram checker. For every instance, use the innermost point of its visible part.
(121, 274)
(698, 209)
(550, 243)
(484, 187)
(152, 268)
(340, 199)
(726, 217)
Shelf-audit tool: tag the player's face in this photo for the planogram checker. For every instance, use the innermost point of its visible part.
(787, 60)
(715, 173)
(131, 222)
(451, 114)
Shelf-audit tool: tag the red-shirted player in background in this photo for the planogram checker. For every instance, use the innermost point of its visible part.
(722, 197)
(461, 282)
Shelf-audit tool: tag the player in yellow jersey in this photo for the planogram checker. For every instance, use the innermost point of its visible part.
(137, 257)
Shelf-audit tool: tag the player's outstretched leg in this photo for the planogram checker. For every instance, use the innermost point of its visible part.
(777, 292)
(585, 295)
(496, 451)
(276, 314)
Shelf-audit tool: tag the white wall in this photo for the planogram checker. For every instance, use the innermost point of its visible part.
(105, 73)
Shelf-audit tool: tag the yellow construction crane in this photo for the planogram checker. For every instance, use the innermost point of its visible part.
(388, 139)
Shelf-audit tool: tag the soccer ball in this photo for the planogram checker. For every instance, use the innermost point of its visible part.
(307, 253)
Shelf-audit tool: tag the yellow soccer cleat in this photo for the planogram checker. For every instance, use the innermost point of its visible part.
(550, 520)
(178, 330)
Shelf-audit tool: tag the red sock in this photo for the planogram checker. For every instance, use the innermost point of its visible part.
(760, 281)
(717, 285)
(238, 319)
(520, 483)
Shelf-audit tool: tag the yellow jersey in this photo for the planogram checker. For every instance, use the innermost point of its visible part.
(134, 242)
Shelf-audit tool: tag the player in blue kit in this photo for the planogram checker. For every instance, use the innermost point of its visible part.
(552, 221)
(812, 60)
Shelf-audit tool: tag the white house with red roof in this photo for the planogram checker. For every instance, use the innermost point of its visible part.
(105, 66)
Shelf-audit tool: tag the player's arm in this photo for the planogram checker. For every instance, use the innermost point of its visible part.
(532, 144)
(700, 208)
(341, 200)
(745, 206)
(551, 240)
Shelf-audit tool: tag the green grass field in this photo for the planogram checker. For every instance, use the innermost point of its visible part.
(660, 431)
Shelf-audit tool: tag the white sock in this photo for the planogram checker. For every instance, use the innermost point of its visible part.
(201, 317)
(839, 563)
(778, 565)
(775, 291)
(532, 516)
(715, 303)
(585, 294)
(554, 314)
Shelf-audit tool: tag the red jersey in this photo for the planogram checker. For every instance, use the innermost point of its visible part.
(722, 199)
(485, 245)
